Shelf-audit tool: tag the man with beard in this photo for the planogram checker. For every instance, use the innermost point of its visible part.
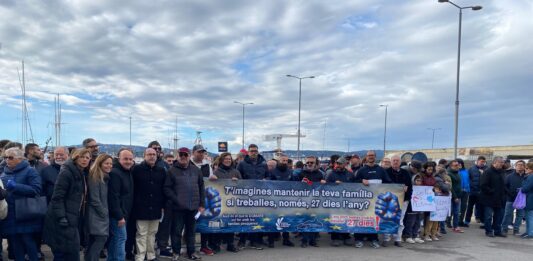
(283, 173)
(160, 161)
(93, 147)
(370, 173)
(49, 173)
(253, 167)
(355, 163)
(309, 175)
(34, 155)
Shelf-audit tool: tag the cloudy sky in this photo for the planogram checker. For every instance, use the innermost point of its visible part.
(158, 60)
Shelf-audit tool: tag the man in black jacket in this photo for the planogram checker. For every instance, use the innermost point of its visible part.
(184, 186)
(49, 173)
(120, 201)
(399, 176)
(368, 174)
(474, 174)
(493, 197)
(513, 182)
(149, 200)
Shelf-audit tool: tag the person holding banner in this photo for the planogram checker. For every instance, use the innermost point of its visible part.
(370, 173)
(413, 218)
(430, 227)
(399, 176)
(309, 175)
(340, 174)
(226, 170)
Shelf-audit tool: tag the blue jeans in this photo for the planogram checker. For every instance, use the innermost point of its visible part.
(508, 217)
(456, 207)
(493, 220)
(116, 249)
(24, 244)
(529, 223)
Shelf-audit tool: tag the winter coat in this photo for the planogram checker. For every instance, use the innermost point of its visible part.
(313, 175)
(493, 188)
(250, 169)
(512, 183)
(97, 210)
(184, 186)
(162, 164)
(67, 202)
(149, 198)
(342, 175)
(465, 180)
(204, 168)
(49, 177)
(372, 172)
(28, 184)
(227, 173)
(474, 173)
(527, 188)
(277, 174)
(457, 191)
(38, 165)
(120, 192)
(444, 182)
(401, 177)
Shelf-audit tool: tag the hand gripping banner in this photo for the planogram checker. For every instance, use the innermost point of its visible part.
(289, 206)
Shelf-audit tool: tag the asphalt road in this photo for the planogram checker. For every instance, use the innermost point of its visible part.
(472, 245)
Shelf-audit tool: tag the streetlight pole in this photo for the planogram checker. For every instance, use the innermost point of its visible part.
(299, 108)
(433, 135)
(474, 8)
(385, 132)
(243, 105)
(130, 131)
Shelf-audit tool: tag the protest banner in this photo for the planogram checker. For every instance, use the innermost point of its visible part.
(288, 206)
(442, 208)
(422, 199)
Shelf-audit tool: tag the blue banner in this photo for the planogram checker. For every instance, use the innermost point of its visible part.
(289, 206)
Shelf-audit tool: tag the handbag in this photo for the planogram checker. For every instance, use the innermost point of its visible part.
(29, 208)
(3, 204)
(520, 200)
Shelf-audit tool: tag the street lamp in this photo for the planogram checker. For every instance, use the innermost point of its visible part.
(433, 135)
(243, 105)
(474, 8)
(299, 108)
(385, 132)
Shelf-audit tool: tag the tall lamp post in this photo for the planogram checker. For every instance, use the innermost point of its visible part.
(474, 8)
(433, 135)
(299, 108)
(243, 105)
(385, 132)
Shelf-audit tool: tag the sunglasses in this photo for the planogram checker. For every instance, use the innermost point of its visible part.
(253, 151)
(9, 157)
(157, 148)
(183, 154)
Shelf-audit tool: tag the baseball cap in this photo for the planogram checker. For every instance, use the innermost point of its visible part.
(341, 160)
(183, 149)
(198, 147)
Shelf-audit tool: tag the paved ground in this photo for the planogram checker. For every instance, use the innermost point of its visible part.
(472, 245)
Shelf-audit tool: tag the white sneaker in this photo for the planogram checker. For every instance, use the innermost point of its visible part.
(418, 240)
(428, 239)
(410, 241)
(434, 238)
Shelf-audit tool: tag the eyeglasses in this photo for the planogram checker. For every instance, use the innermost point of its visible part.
(9, 157)
(157, 148)
(252, 151)
(183, 154)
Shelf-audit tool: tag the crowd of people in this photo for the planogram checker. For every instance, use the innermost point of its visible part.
(100, 206)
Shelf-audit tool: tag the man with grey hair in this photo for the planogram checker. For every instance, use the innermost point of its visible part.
(493, 197)
(49, 173)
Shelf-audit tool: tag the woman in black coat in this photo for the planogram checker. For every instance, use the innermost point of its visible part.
(65, 209)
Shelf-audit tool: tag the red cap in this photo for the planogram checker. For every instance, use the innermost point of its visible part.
(244, 152)
(184, 149)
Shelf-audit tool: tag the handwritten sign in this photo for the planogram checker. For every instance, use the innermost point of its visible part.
(423, 198)
(443, 205)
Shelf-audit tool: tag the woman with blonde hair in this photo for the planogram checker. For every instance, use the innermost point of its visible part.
(97, 212)
(66, 207)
